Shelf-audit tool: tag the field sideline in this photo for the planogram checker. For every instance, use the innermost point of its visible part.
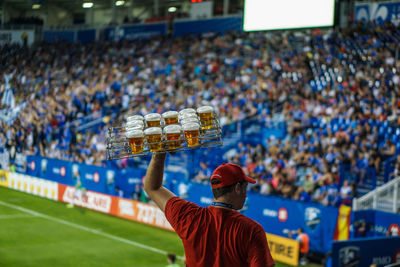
(39, 232)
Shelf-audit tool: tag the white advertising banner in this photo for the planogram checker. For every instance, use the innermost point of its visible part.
(87, 199)
(17, 36)
(201, 10)
(33, 185)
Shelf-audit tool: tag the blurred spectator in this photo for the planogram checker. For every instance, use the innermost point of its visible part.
(302, 195)
(204, 174)
(345, 190)
(265, 187)
(118, 192)
(304, 244)
(137, 193)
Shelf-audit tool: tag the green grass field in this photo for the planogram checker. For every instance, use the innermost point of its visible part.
(40, 232)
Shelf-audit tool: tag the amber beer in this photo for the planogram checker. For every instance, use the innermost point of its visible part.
(192, 133)
(153, 120)
(170, 117)
(206, 117)
(153, 137)
(135, 138)
(173, 135)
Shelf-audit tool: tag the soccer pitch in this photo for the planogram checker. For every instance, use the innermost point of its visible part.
(39, 232)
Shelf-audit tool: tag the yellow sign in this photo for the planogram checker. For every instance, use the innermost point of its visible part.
(3, 178)
(283, 249)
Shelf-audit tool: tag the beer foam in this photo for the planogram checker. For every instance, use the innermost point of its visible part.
(189, 120)
(135, 127)
(191, 126)
(134, 123)
(186, 110)
(173, 128)
(134, 134)
(153, 130)
(188, 115)
(205, 109)
(170, 114)
(135, 117)
(152, 117)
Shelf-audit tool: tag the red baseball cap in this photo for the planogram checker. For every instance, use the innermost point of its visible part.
(228, 174)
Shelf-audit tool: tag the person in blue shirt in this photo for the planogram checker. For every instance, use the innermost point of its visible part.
(302, 195)
(118, 192)
(204, 174)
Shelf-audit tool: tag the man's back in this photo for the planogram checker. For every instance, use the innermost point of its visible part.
(216, 236)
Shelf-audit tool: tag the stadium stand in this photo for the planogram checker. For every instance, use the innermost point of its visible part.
(335, 94)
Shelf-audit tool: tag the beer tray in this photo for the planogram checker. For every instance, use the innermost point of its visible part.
(118, 146)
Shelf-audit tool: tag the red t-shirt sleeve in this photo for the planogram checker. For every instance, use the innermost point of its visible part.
(258, 251)
(178, 212)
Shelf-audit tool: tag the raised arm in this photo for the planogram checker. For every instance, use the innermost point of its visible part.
(153, 181)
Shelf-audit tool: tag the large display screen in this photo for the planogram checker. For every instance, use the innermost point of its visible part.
(263, 15)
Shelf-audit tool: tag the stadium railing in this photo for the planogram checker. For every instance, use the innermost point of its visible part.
(384, 198)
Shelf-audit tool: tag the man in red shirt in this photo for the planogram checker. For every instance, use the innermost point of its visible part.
(217, 235)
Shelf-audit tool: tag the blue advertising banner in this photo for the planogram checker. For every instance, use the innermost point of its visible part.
(137, 31)
(176, 181)
(387, 223)
(363, 224)
(101, 179)
(92, 177)
(127, 180)
(86, 36)
(199, 194)
(208, 25)
(59, 36)
(33, 168)
(379, 12)
(370, 223)
(51, 169)
(276, 214)
(366, 252)
(134, 31)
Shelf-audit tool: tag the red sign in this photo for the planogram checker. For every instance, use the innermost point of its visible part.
(96, 177)
(33, 165)
(120, 207)
(396, 257)
(394, 229)
(88, 199)
(282, 215)
(62, 171)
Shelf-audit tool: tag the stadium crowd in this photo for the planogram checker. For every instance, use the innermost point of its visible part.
(336, 90)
